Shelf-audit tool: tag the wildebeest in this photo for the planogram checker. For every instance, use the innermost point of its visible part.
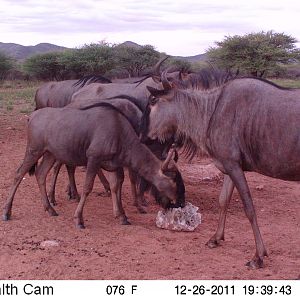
(245, 124)
(136, 89)
(110, 144)
(59, 93)
(133, 110)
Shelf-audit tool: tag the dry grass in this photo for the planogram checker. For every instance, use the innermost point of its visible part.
(17, 96)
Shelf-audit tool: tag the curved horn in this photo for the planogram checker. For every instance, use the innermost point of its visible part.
(164, 166)
(180, 75)
(164, 80)
(156, 68)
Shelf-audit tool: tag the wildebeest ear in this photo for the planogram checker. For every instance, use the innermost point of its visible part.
(153, 91)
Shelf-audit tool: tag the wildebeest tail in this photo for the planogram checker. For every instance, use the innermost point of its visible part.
(32, 170)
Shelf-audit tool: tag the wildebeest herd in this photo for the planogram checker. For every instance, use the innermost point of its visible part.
(242, 123)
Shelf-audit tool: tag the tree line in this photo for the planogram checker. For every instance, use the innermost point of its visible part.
(256, 54)
(102, 59)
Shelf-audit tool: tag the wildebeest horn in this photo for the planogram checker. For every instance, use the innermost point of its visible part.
(165, 82)
(156, 68)
(165, 164)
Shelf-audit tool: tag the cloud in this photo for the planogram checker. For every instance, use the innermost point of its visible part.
(163, 23)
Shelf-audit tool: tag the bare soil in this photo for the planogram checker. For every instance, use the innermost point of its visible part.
(107, 250)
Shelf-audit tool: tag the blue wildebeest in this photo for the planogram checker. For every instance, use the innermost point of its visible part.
(245, 124)
(137, 89)
(110, 144)
(131, 109)
(59, 93)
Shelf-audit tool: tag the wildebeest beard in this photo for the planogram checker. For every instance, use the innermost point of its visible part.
(190, 149)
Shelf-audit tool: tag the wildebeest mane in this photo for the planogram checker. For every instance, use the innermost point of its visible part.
(205, 79)
(111, 106)
(208, 78)
(91, 79)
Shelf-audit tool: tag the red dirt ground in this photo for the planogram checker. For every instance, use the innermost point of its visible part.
(107, 250)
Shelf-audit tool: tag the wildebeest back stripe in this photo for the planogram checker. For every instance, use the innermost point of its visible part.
(135, 101)
(109, 105)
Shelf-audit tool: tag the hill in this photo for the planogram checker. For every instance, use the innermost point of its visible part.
(21, 52)
(192, 59)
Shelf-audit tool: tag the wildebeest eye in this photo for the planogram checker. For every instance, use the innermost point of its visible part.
(152, 100)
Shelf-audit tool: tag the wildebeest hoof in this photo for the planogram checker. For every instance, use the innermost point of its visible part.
(80, 226)
(51, 211)
(75, 197)
(212, 244)
(6, 217)
(256, 263)
(124, 221)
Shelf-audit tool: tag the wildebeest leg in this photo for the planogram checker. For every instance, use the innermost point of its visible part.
(239, 180)
(224, 199)
(41, 174)
(115, 181)
(51, 193)
(91, 172)
(72, 189)
(29, 162)
(137, 194)
(105, 183)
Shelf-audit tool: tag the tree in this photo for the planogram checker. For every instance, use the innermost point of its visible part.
(75, 63)
(254, 53)
(6, 64)
(95, 58)
(44, 66)
(179, 64)
(136, 59)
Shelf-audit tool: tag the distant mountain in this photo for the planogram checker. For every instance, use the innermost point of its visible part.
(21, 52)
(130, 44)
(192, 59)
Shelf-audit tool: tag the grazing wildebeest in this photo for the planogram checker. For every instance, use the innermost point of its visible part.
(245, 124)
(59, 93)
(131, 107)
(110, 144)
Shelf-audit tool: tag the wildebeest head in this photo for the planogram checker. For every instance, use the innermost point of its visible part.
(170, 170)
(158, 120)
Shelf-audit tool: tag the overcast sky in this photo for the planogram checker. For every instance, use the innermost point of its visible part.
(176, 27)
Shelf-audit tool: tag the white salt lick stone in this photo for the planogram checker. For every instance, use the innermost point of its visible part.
(49, 243)
(179, 219)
